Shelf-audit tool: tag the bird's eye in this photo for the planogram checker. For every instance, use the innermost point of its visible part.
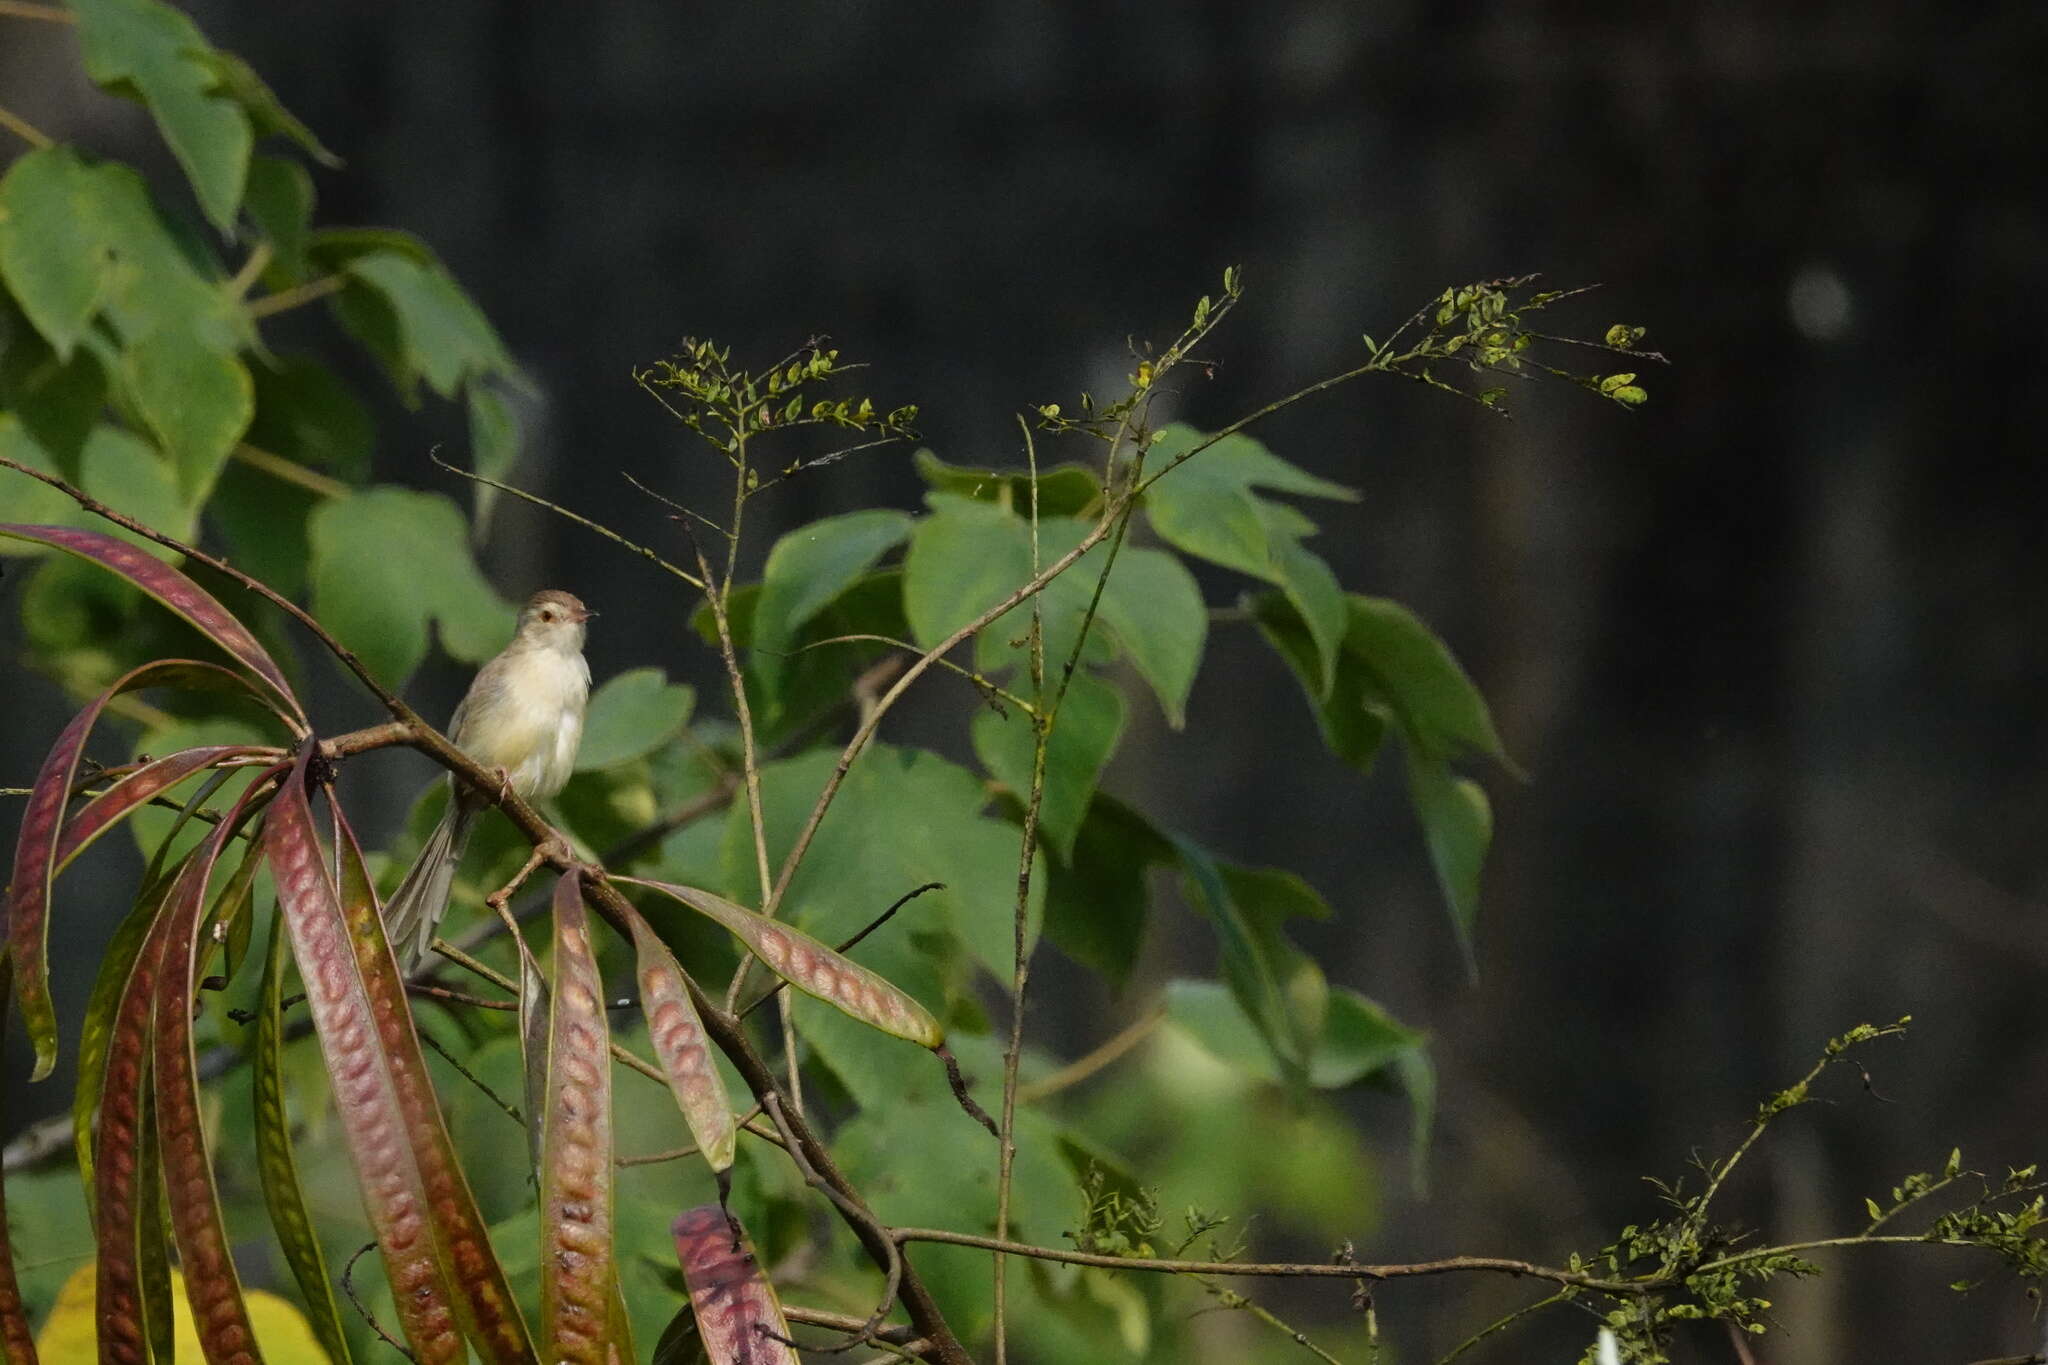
(547, 616)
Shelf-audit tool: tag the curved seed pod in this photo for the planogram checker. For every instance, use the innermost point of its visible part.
(35, 849)
(214, 1289)
(813, 968)
(366, 1100)
(485, 1307)
(739, 1319)
(118, 1158)
(109, 988)
(683, 1048)
(137, 789)
(536, 1013)
(17, 1343)
(578, 1278)
(174, 590)
(277, 1166)
(159, 1319)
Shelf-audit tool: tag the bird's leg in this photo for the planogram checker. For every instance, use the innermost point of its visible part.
(554, 848)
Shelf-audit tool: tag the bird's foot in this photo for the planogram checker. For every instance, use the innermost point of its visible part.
(553, 849)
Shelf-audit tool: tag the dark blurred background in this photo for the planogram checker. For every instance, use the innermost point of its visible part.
(1769, 647)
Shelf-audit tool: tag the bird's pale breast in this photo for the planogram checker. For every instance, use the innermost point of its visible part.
(526, 717)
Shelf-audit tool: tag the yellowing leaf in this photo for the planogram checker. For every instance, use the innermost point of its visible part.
(68, 1336)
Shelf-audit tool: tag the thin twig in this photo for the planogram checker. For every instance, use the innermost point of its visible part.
(435, 1045)
(298, 296)
(24, 9)
(607, 532)
(348, 1287)
(1497, 1326)
(1081, 1068)
(23, 129)
(278, 467)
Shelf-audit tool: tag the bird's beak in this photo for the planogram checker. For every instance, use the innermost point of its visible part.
(585, 615)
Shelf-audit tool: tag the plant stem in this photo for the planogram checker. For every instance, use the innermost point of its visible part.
(23, 129)
(298, 296)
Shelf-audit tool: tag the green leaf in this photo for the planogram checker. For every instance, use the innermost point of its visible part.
(1437, 705)
(445, 338)
(264, 520)
(806, 571)
(1084, 735)
(57, 401)
(494, 444)
(53, 258)
(386, 563)
(1096, 903)
(1064, 490)
(1209, 507)
(1457, 823)
(279, 200)
(151, 52)
(306, 413)
(1209, 1012)
(631, 716)
(1154, 608)
(964, 558)
(1359, 1039)
(1352, 713)
(903, 817)
(197, 401)
(967, 556)
(114, 467)
(239, 82)
(161, 280)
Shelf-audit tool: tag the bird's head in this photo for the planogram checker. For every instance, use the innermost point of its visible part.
(554, 619)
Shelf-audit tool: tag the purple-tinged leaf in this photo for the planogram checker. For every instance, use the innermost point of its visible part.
(219, 1312)
(145, 784)
(486, 1309)
(35, 849)
(683, 1048)
(536, 1012)
(813, 968)
(366, 1099)
(739, 1318)
(172, 588)
(279, 1169)
(17, 1343)
(578, 1276)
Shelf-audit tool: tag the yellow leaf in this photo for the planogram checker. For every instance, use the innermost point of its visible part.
(68, 1336)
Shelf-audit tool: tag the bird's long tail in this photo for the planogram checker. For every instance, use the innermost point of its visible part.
(416, 907)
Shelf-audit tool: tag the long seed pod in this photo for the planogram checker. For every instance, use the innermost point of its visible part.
(174, 590)
(282, 1192)
(739, 1319)
(109, 989)
(578, 1277)
(683, 1048)
(137, 789)
(488, 1313)
(118, 1159)
(35, 849)
(366, 1100)
(219, 1311)
(17, 1343)
(813, 968)
(159, 1318)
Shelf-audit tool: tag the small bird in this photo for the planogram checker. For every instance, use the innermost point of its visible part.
(523, 716)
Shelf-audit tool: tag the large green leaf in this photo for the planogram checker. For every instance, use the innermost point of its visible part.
(197, 401)
(389, 561)
(57, 400)
(444, 336)
(1457, 824)
(1064, 490)
(968, 555)
(1210, 507)
(632, 715)
(1085, 732)
(114, 467)
(53, 257)
(153, 53)
(903, 817)
(806, 571)
(305, 412)
(494, 444)
(279, 200)
(1096, 903)
(1395, 672)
